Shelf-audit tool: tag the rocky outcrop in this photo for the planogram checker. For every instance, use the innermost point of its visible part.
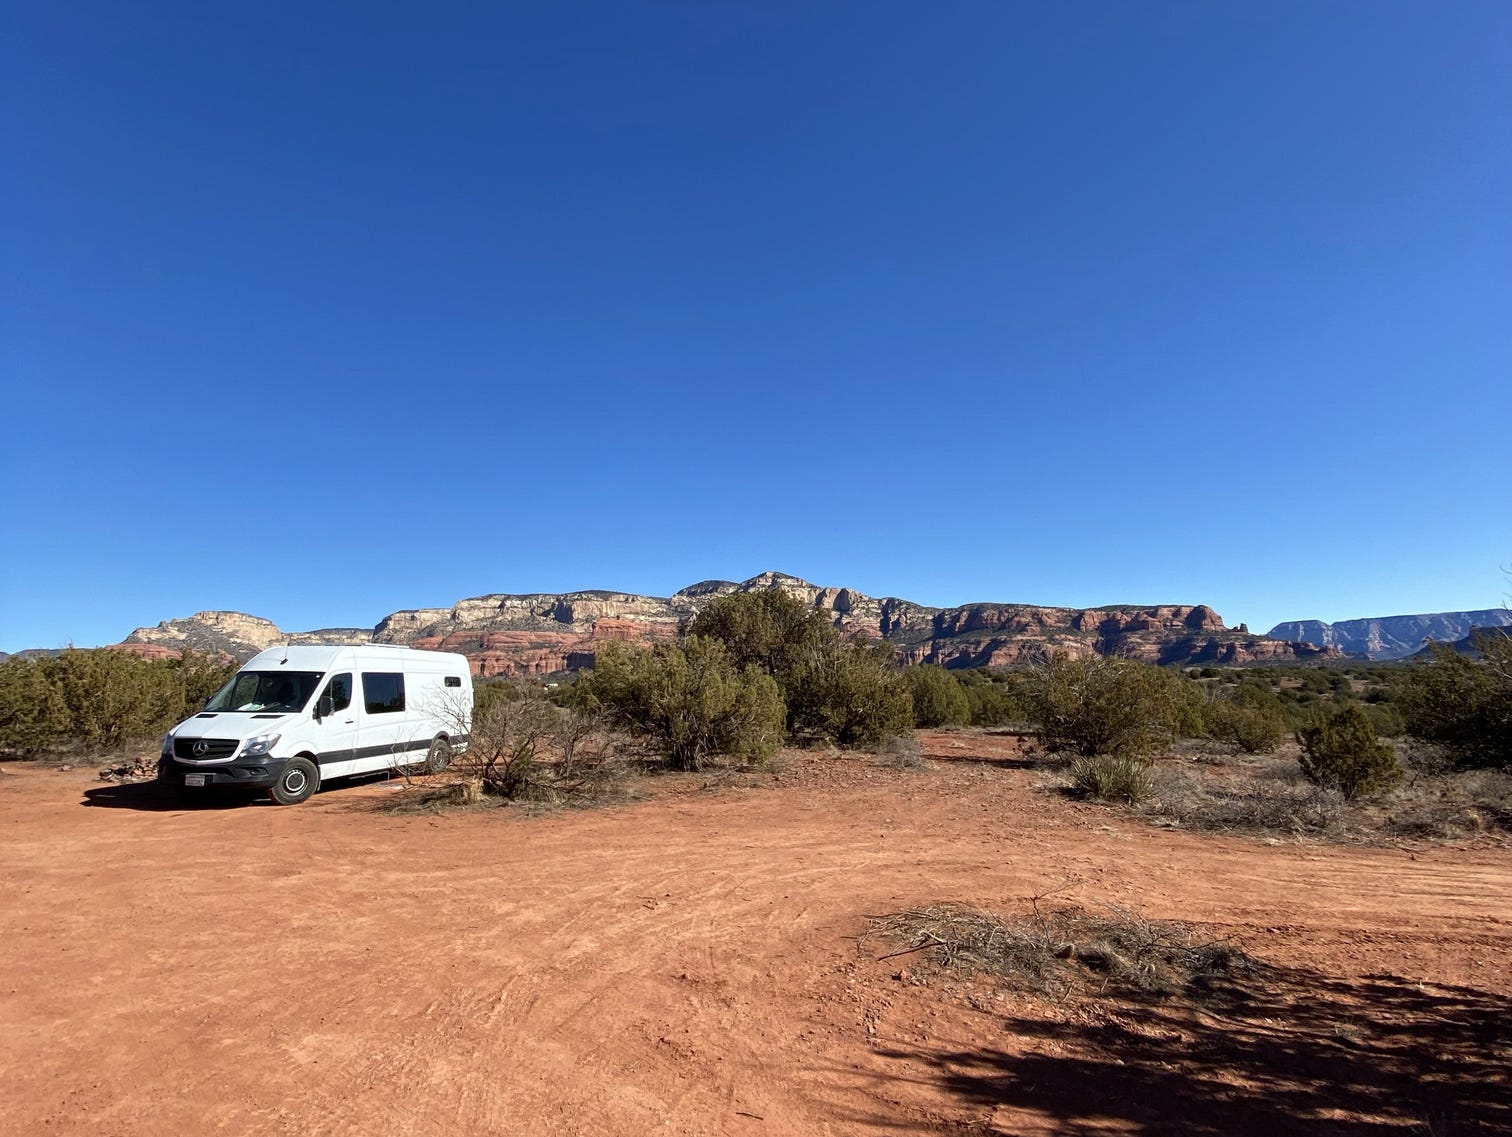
(546, 633)
(1391, 637)
(235, 634)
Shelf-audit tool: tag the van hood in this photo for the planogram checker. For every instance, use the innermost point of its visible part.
(232, 724)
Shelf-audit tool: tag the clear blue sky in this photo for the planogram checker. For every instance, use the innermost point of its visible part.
(318, 311)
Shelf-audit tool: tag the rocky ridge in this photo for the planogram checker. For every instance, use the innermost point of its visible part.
(1391, 637)
(546, 633)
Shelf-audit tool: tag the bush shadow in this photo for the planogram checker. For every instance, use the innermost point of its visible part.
(1306, 1055)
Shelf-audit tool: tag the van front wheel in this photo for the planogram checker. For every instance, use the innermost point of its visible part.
(298, 781)
(439, 756)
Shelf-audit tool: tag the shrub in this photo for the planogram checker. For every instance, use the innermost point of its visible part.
(1189, 707)
(201, 675)
(114, 698)
(849, 695)
(1113, 777)
(1464, 704)
(769, 629)
(1387, 719)
(1341, 751)
(901, 752)
(101, 699)
(938, 699)
(33, 715)
(506, 738)
(689, 699)
(1102, 705)
(991, 704)
(1249, 718)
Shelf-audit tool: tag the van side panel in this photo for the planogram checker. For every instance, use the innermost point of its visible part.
(392, 741)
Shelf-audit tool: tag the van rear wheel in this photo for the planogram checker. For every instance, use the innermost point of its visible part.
(439, 756)
(299, 780)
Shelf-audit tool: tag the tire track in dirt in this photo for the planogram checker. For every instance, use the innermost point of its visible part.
(687, 964)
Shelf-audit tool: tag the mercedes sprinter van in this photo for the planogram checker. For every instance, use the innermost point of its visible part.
(295, 717)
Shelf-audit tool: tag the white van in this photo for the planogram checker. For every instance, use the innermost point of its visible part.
(294, 717)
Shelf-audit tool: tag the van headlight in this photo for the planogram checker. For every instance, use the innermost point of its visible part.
(167, 749)
(255, 747)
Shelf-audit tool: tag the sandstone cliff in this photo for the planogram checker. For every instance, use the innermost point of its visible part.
(546, 633)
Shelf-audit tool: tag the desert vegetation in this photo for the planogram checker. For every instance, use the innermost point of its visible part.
(91, 702)
(1418, 749)
(1359, 752)
(1066, 949)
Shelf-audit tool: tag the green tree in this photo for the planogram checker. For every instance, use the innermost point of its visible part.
(690, 699)
(201, 674)
(1250, 717)
(938, 699)
(769, 629)
(114, 698)
(849, 694)
(1102, 705)
(1340, 751)
(1462, 703)
(33, 716)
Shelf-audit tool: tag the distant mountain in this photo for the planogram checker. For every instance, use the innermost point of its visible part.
(1391, 637)
(1470, 644)
(545, 633)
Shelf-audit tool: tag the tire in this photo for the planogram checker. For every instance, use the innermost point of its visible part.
(439, 756)
(300, 778)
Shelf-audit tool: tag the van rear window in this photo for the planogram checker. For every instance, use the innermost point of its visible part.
(383, 691)
(453, 681)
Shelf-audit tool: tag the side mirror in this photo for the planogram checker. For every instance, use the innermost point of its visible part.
(323, 706)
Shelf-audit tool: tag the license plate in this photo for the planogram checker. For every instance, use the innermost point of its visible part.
(194, 779)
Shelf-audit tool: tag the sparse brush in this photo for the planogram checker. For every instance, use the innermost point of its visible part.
(1056, 952)
(1112, 777)
(900, 752)
(1259, 804)
(1453, 806)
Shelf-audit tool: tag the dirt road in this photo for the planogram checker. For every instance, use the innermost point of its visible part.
(690, 964)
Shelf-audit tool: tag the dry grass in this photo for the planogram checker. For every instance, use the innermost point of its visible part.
(1451, 807)
(901, 752)
(604, 784)
(1271, 797)
(1069, 950)
(1264, 801)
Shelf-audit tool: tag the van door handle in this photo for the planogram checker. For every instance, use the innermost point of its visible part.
(349, 722)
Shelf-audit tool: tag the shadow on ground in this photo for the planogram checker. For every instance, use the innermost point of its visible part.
(1306, 1055)
(155, 797)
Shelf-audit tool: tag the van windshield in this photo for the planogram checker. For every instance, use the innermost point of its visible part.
(265, 691)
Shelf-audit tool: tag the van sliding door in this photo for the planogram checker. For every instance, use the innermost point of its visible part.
(379, 739)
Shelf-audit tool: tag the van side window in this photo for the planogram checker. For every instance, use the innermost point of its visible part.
(340, 690)
(383, 691)
(453, 681)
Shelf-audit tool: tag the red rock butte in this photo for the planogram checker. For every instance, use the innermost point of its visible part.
(546, 633)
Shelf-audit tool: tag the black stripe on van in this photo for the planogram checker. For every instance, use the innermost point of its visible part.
(394, 748)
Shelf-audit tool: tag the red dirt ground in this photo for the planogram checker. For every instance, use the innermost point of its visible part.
(695, 964)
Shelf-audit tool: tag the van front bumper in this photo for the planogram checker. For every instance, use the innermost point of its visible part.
(261, 772)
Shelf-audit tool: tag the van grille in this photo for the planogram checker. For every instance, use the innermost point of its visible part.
(214, 748)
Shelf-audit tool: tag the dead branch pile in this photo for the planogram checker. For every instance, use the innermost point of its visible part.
(1064, 950)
